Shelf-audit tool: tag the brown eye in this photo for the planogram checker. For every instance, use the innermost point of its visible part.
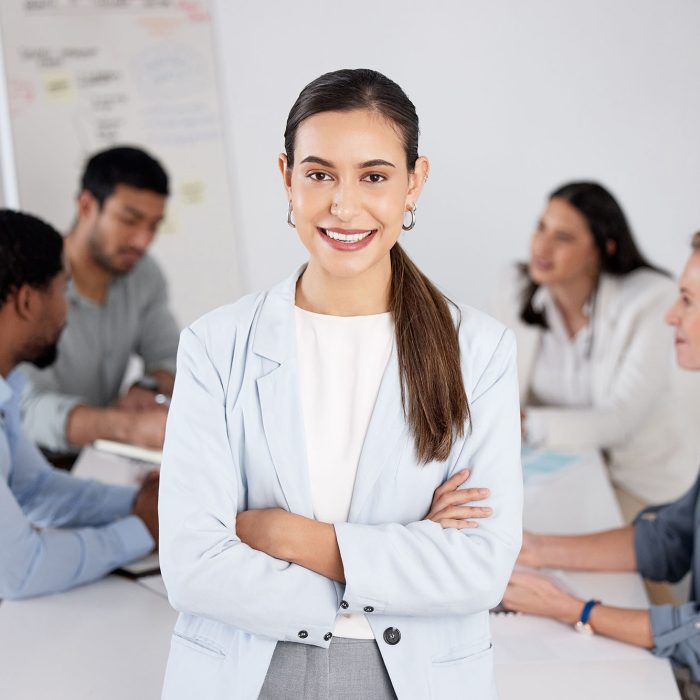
(375, 178)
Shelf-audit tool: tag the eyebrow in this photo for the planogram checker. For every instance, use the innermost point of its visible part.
(376, 162)
(133, 212)
(138, 213)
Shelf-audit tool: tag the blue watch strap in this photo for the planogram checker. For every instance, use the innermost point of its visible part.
(586, 612)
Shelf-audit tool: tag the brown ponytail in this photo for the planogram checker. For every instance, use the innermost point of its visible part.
(432, 390)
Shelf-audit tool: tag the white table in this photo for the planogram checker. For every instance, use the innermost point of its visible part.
(106, 640)
(110, 640)
(543, 659)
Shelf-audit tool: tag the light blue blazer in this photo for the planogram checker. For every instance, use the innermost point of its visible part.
(235, 441)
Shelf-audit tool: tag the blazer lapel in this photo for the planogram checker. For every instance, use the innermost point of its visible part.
(383, 442)
(278, 393)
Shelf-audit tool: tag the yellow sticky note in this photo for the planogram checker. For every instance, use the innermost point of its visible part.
(191, 191)
(59, 86)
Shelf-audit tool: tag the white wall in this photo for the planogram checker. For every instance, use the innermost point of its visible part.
(514, 98)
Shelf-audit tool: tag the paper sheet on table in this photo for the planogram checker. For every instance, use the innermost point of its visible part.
(148, 565)
(110, 468)
(142, 454)
(538, 463)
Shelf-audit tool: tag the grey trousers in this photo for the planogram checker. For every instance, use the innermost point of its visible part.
(350, 669)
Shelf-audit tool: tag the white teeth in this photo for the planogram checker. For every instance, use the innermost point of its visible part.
(352, 238)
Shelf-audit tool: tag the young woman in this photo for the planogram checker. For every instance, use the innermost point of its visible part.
(662, 544)
(314, 535)
(594, 360)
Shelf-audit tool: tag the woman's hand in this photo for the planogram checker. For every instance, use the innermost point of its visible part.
(264, 529)
(536, 595)
(448, 507)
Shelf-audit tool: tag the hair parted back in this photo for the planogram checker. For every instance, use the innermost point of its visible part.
(432, 388)
(123, 165)
(31, 252)
(607, 223)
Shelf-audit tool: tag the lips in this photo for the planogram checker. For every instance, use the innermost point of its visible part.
(541, 264)
(347, 240)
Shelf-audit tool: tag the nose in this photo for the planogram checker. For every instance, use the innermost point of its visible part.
(142, 238)
(346, 203)
(540, 245)
(672, 315)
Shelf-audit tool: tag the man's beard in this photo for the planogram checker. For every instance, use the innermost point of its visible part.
(102, 259)
(44, 355)
(99, 255)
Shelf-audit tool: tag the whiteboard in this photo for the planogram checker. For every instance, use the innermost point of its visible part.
(82, 75)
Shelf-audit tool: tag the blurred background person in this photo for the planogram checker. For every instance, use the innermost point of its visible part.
(594, 358)
(56, 531)
(661, 544)
(118, 307)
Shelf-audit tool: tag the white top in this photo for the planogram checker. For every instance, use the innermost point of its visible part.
(341, 363)
(561, 374)
(634, 416)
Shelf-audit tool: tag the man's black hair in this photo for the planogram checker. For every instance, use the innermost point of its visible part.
(123, 165)
(31, 252)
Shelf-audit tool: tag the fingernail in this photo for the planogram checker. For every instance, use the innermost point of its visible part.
(471, 523)
(464, 471)
(484, 492)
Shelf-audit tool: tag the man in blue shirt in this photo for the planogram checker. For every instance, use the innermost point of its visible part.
(56, 531)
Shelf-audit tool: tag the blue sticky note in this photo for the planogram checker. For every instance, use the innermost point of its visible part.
(540, 462)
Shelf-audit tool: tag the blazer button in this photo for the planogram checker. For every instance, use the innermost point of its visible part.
(303, 634)
(368, 609)
(392, 636)
(327, 636)
(344, 604)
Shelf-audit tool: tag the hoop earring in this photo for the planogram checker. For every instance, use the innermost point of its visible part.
(412, 212)
(289, 217)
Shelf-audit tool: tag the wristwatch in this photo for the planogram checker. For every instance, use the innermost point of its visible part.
(583, 626)
(150, 384)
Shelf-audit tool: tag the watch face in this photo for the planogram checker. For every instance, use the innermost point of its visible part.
(583, 628)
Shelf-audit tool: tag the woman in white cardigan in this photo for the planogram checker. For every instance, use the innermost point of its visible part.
(594, 356)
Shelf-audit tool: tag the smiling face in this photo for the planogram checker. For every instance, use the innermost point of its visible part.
(349, 190)
(684, 315)
(562, 249)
